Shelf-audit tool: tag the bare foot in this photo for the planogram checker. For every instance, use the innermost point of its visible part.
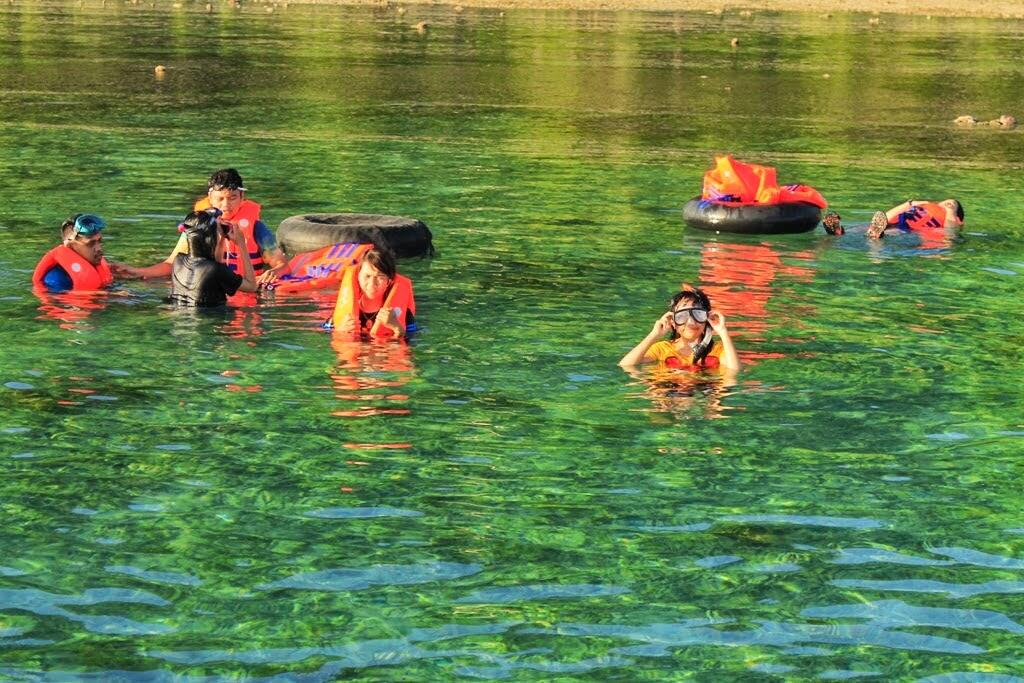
(878, 225)
(831, 224)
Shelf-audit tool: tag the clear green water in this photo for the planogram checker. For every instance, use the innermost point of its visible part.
(201, 497)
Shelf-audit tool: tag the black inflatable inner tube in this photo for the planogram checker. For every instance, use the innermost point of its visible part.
(308, 232)
(751, 219)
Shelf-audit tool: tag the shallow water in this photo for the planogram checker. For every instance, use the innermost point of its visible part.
(226, 495)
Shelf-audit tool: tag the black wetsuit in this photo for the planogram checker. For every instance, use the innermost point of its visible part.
(202, 281)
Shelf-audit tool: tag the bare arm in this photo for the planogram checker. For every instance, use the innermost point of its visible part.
(897, 210)
(638, 354)
(278, 266)
(730, 360)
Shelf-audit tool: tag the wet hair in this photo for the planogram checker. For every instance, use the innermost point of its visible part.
(959, 210)
(697, 299)
(695, 296)
(225, 179)
(382, 259)
(201, 232)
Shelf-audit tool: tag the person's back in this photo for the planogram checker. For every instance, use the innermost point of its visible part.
(202, 281)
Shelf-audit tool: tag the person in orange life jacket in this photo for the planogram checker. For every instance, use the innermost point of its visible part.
(197, 278)
(77, 263)
(915, 214)
(691, 345)
(374, 299)
(226, 192)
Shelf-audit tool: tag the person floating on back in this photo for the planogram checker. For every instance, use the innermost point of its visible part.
(374, 300)
(226, 193)
(197, 277)
(689, 322)
(77, 263)
(918, 216)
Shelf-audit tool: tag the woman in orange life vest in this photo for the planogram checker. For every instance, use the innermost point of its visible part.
(374, 299)
(918, 216)
(77, 263)
(691, 346)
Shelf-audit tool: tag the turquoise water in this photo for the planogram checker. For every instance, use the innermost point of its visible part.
(208, 496)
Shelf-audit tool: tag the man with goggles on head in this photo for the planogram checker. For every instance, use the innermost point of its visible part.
(226, 193)
(77, 263)
(691, 345)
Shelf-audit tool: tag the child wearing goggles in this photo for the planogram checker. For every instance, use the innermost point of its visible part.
(692, 327)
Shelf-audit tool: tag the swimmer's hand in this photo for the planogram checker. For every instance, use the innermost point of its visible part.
(124, 271)
(267, 277)
(234, 232)
(717, 322)
(662, 326)
(387, 317)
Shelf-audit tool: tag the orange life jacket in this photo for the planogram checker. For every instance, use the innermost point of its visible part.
(924, 216)
(732, 181)
(246, 215)
(399, 298)
(84, 275)
(321, 268)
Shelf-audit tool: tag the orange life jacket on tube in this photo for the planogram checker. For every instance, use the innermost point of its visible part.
(732, 181)
(84, 275)
(321, 268)
(399, 298)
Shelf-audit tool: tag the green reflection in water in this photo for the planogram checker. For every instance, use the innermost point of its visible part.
(498, 499)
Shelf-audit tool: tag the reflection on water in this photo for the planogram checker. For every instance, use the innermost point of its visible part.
(225, 495)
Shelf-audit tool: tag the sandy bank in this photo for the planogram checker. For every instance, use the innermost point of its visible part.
(1005, 9)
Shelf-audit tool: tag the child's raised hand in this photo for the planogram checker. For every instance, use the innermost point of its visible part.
(717, 322)
(662, 325)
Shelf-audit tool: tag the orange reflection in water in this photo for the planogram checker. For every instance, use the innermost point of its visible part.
(740, 279)
(70, 309)
(368, 376)
(678, 394)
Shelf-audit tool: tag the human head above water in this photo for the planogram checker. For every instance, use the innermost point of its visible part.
(377, 270)
(688, 297)
(956, 206)
(225, 190)
(81, 233)
(202, 232)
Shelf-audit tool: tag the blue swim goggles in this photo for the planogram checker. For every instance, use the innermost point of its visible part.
(88, 224)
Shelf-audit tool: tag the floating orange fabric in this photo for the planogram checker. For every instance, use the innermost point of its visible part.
(84, 275)
(399, 298)
(732, 181)
(321, 268)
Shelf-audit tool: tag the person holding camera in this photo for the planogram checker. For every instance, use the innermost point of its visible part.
(197, 277)
(226, 193)
(691, 325)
